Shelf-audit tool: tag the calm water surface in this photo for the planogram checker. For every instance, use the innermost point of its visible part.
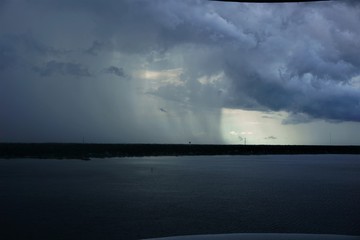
(133, 198)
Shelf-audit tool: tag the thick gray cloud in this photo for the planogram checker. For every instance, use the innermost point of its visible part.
(115, 70)
(305, 67)
(190, 57)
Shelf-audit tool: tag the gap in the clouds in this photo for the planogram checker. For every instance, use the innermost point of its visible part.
(255, 127)
(274, 128)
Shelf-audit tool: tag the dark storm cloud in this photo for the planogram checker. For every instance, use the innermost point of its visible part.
(119, 72)
(297, 58)
(307, 70)
(303, 67)
(190, 54)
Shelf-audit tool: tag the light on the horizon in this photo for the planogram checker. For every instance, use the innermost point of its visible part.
(256, 127)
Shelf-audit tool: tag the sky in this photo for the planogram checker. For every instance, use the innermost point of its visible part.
(179, 71)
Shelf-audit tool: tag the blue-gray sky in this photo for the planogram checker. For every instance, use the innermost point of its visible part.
(171, 71)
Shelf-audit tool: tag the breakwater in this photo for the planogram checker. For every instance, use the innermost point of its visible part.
(85, 151)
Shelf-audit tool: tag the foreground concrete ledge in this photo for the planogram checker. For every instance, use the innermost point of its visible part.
(262, 236)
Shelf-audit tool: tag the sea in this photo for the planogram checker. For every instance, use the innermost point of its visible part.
(149, 197)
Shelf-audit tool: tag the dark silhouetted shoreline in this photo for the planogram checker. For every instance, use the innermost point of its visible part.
(86, 151)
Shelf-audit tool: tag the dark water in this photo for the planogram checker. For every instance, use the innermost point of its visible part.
(132, 198)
